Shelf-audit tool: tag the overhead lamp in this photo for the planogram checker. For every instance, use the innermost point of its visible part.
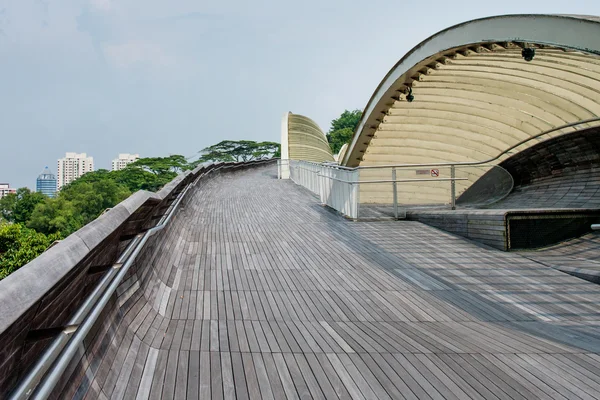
(528, 53)
(409, 96)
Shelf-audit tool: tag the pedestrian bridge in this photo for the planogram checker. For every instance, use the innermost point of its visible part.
(233, 283)
(253, 290)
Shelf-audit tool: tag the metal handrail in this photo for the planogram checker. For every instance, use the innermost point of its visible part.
(472, 163)
(64, 347)
(396, 180)
(39, 383)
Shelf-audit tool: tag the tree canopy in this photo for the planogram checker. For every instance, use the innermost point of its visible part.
(173, 165)
(19, 245)
(17, 207)
(241, 150)
(342, 129)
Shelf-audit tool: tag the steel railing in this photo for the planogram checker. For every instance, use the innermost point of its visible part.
(338, 186)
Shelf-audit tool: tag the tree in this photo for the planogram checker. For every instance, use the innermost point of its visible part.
(340, 137)
(242, 150)
(342, 129)
(55, 216)
(7, 206)
(138, 179)
(91, 199)
(76, 205)
(17, 207)
(172, 165)
(19, 245)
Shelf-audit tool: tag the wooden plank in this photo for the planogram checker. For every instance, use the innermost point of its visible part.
(262, 377)
(205, 375)
(159, 376)
(239, 375)
(149, 372)
(193, 377)
(216, 376)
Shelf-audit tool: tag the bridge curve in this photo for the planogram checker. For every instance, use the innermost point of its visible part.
(255, 291)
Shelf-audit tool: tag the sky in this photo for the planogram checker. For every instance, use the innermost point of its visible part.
(159, 77)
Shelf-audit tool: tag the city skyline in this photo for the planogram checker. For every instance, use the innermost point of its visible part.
(34, 184)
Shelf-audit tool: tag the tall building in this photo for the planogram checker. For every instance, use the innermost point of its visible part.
(124, 159)
(46, 183)
(6, 189)
(71, 167)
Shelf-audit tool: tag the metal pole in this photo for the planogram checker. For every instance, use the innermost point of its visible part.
(395, 189)
(453, 187)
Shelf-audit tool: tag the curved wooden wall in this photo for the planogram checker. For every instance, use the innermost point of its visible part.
(306, 141)
(473, 100)
(563, 172)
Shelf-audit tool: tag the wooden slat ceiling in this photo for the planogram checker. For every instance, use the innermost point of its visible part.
(306, 140)
(471, 104)
(475, 103)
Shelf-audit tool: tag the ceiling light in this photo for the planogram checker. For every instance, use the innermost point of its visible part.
(528, 53)
(409, 96)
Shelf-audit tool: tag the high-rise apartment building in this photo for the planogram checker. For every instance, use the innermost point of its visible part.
(46, 183)
(71, 167)
(6, 189)
(124, 159)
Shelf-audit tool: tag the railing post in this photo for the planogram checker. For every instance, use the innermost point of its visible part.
(395, 189)
(453, 187)
(355, 190)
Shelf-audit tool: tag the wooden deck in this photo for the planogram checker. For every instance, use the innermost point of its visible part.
(259, 292)
(578, 257)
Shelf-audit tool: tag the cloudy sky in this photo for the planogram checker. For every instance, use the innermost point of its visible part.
(160, 77)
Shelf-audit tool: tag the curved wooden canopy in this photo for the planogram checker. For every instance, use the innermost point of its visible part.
(302, 139)
(475, 95)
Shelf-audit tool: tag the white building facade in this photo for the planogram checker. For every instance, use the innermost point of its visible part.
(71, 167)
(124, 159)
(6, 189)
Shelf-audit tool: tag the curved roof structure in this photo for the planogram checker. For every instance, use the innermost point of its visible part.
(474, 93)
(302, 139)
(340, 155)
(46, 174)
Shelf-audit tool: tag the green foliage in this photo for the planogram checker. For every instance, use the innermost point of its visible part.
(18, 207)
(339, 137)
(7, 206)
(36, 221)
(342, 129)
(55, 216)
(19, 245)
(84, 199)
(242, 150)
(91, 199)
(135, 179)
(162, 165)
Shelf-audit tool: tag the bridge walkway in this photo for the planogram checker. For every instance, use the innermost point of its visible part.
(259, 292)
